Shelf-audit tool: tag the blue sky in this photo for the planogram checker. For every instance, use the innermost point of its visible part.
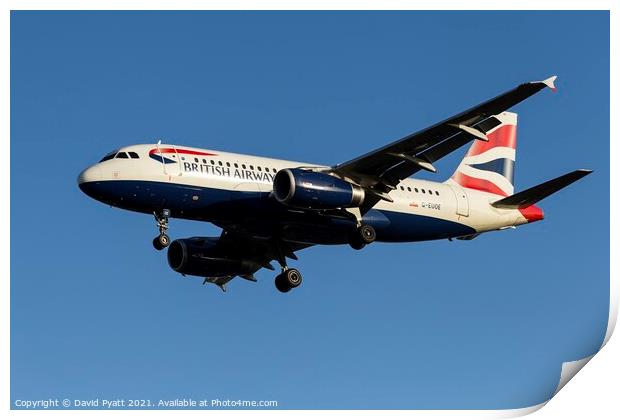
(96, 312)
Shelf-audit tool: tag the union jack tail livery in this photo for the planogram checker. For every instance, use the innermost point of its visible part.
(489, 165)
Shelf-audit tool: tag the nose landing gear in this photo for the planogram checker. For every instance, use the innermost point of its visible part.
(162, 240)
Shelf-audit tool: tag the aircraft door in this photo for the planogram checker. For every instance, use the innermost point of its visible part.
(462, 203)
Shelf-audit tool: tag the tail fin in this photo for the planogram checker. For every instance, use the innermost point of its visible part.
(533, 195)
(489, 165)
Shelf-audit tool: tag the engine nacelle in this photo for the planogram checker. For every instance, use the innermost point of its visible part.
(314, 190)
(204, 257)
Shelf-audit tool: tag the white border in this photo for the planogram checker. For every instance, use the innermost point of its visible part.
(605, 405)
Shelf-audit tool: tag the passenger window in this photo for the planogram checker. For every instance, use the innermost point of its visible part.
(409, 189)
(274, 171)
(259, 168)
(228, 164)
(236, 166)
(196, 160)
(122, 155)
(251, 167)
(416, 190)
(423, 192)
(204, 161)
(436, 192)
(212, 162)
(134, 155)
(243, 165)
(219, 162)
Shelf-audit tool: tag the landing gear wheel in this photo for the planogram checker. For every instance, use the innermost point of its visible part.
(293, 277)
(160, 242)
(356, 244)
(367, 234)
(364, 235)
(289, 279)
(281, 284)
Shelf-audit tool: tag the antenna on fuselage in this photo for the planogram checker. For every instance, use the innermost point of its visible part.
(158, 142)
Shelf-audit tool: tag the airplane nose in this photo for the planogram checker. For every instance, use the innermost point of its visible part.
(87, 177)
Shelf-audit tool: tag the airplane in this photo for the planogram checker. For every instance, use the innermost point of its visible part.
(268, 209)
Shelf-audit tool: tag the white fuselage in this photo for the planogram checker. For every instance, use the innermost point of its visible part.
(209, 175)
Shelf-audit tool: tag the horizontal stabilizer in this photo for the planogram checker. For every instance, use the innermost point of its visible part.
(532, 195)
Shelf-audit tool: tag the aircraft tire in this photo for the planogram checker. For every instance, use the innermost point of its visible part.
(164, 240)
(161, 241)
(293, 277)
(356, 243)
(281, 284)
(367, 234)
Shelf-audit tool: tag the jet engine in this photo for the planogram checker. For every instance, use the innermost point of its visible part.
(200, 256)
(314, 190)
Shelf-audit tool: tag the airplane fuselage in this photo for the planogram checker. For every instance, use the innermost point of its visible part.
(230, 189)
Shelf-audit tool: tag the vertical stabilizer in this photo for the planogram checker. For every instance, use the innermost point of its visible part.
(489, 165)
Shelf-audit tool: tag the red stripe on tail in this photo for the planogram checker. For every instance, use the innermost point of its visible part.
(477, 184)
(504, 136)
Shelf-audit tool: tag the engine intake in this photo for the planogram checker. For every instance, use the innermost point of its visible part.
(204, 257)
(314, 190)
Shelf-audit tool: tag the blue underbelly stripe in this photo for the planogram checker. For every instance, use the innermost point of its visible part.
(211, 204)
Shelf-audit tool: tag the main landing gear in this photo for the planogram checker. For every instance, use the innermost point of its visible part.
(364, 235)
(290, 278)
(162, 240)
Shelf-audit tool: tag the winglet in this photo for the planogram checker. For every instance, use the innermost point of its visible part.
(550, 83)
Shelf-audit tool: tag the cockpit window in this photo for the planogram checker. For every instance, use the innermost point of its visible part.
(108, 156)
(122, 155)
(134, 155)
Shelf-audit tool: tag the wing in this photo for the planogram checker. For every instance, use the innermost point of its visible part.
(381, 170)
(263, 250)
(259, 250)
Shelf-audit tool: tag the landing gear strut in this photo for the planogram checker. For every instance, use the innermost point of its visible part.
(162, 240)
(364, 235)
